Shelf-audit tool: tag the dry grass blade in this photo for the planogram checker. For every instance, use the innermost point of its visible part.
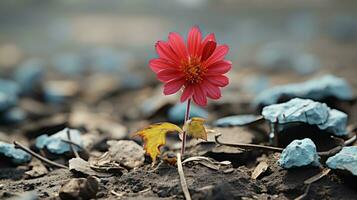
(182, 178)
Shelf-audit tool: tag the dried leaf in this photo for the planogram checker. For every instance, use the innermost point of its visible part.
(194, 128)
(209, 162)
(155, 136)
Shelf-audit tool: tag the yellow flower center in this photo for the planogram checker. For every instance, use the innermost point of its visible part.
(193, 70)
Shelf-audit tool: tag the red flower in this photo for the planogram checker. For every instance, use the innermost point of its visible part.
(197, 67)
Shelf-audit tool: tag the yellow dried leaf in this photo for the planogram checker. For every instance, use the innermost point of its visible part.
(154, 137)
(194, 128)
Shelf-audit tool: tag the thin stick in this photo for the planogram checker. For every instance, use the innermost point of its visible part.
(182, 178)
(187, 117)
(318, 176)
(248, 146)
(43, 159)
(71, 145)
(350, 140)
(307, 189)
(311, 180)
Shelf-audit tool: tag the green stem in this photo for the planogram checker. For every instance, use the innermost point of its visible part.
(187, 117)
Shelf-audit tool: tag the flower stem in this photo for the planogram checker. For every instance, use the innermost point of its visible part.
(187, 117)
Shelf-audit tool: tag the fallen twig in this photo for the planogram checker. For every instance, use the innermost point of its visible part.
(311, 180)
(307, 189)
(38, 156)
(71, 145)
(248, 146)
(328, 153)
(182, 178)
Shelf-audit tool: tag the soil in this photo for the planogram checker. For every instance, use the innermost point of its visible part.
(203, 183)
(123, 105)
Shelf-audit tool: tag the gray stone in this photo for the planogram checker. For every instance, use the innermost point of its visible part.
(235, 120)
(310, 112)
(346, 159)
(299, 153)
(316, 89)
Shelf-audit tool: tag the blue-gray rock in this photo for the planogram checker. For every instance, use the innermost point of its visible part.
(316, 89)
(299, 153)
(107, 60)
(305, 63)
(235, 120)
(276, 55)
(12, 116)
(310, 112)
(9, 92)
(177, 112)
(346, 159)
(279, 55)
(131, 81)
(59, 91)
(54, 143)
(255, 84)
(29, 75)
(17, 156)
(343, 28)
(69, 64)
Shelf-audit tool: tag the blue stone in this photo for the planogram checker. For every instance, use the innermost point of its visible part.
(316, 89)
(107, 60)
(131, 81)
(256, 84)
(29, 75)
(299, 153)
(17, 156)
(235, 120)
(12, 116)
(9, 92)
(54, 143)
(69, 64)
(346, 159)
(177, 112)
(310, 112)
(305, 64)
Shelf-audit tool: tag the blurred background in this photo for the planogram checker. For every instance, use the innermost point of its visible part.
(58, 54)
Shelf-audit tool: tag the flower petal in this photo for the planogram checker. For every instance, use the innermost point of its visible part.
(212, 91)
(217, 55)
(208, 50)
(220, 67)
(173, 86)
(187, 93)
(209, 37)
(166, 75)
(199, 96)
(164, 51)
(218, 80)
(178, 45)
(158, 64)
(194, 41)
